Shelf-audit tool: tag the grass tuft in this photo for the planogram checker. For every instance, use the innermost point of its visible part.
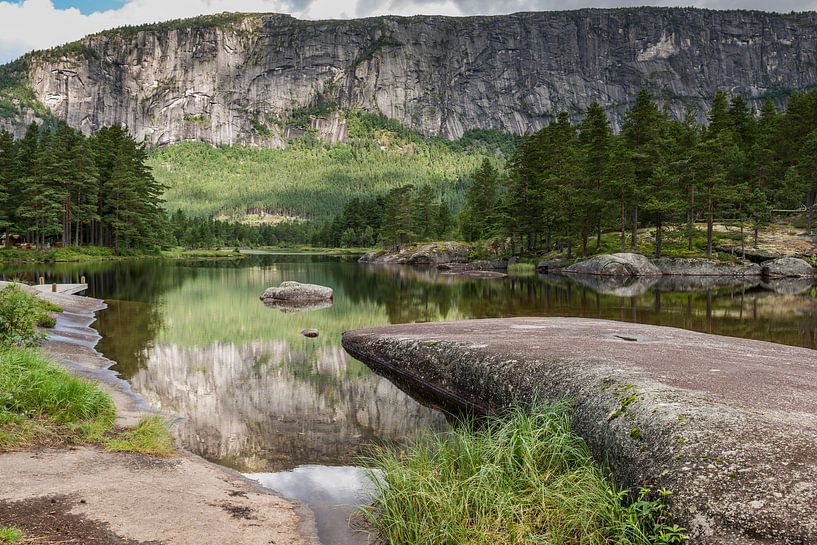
(522, 269)
(10, 534)
(149, 436)
(40, 401)
(523, 479)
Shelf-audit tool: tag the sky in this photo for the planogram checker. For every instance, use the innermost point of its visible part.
(39, 24)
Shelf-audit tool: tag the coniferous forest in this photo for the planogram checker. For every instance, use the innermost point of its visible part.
(567, 184)
(562, 187)
(57, 186)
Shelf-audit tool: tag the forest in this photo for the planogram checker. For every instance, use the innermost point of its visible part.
(57, 186)
(567, 184)
(560, 188)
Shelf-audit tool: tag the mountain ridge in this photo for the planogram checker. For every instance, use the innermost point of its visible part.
(237, 78)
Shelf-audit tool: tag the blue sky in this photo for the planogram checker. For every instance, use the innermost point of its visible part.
(39, 24)
(87, 6)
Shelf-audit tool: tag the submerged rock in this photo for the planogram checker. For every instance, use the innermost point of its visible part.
(728, 425)
(787, 267)
(615, 265)
(681, 266)
(295, 293)
(478, 265)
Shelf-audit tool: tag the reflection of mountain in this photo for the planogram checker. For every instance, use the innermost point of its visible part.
(261, 407)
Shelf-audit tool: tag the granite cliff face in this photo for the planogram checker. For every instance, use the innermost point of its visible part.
(243, 78)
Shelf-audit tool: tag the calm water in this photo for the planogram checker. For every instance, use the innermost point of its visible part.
(295, 413)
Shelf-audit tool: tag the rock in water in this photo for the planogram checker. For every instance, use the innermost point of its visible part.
(311, 333)
(787, 267)
(295, 293)
(616, 265)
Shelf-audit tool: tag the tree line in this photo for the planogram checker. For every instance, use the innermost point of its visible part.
(58, 186)
(567, 184)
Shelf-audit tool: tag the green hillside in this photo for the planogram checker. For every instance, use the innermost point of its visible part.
(313, 180)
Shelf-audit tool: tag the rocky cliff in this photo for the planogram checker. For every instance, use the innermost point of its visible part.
(244, 78)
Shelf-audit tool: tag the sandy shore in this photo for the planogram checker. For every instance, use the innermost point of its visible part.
(88, 495)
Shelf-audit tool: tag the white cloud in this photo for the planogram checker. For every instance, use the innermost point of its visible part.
(37, 24)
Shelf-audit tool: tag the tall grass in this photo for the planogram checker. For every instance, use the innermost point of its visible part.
(524, 479)
(40, 401)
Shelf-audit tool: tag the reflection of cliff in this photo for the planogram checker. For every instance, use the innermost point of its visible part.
(260, 407)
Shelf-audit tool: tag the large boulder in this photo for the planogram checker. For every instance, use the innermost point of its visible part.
(680, 266)
(422, 254)
(295, 293)
(615, 265)
(787, 267)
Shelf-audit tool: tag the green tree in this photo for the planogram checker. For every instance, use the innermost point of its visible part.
(477, 216)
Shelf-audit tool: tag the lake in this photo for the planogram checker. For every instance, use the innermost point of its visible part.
(297, 414)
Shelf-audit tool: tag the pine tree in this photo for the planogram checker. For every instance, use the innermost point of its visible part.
(477, 216)
(595, 138)
(7, 169)
(641, 131)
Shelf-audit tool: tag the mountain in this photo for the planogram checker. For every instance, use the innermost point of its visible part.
(259, 79)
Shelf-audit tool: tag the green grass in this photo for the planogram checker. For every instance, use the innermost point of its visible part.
(522, 269)
(10, 534)
(149, 436)
(42, 402)
(523, 479)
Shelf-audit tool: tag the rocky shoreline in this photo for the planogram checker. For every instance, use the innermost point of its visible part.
(453, 258)
(129, 498)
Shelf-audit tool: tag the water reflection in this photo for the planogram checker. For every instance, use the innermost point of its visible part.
(333, 494)
(263, 406)
(194, 339)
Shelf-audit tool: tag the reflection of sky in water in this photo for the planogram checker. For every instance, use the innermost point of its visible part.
(332, 493)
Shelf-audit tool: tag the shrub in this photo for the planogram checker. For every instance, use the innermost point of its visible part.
(20, 315)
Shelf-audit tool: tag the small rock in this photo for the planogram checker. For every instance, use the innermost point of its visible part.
(311, 333)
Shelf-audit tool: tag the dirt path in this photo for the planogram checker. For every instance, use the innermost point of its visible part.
(90, 496)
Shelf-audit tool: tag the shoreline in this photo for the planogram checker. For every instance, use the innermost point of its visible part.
(184, 499)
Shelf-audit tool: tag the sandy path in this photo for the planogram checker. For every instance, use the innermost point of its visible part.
(93, 496)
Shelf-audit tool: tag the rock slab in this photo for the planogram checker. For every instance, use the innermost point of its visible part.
(680, 266)
(728, 425)
(624, 264)
(436, 254)
(787, 267)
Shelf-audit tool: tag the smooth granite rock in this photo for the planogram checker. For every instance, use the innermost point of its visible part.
(728, 425)
(296, 293)
(787, 267)
(680, 266)
(615, 265)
